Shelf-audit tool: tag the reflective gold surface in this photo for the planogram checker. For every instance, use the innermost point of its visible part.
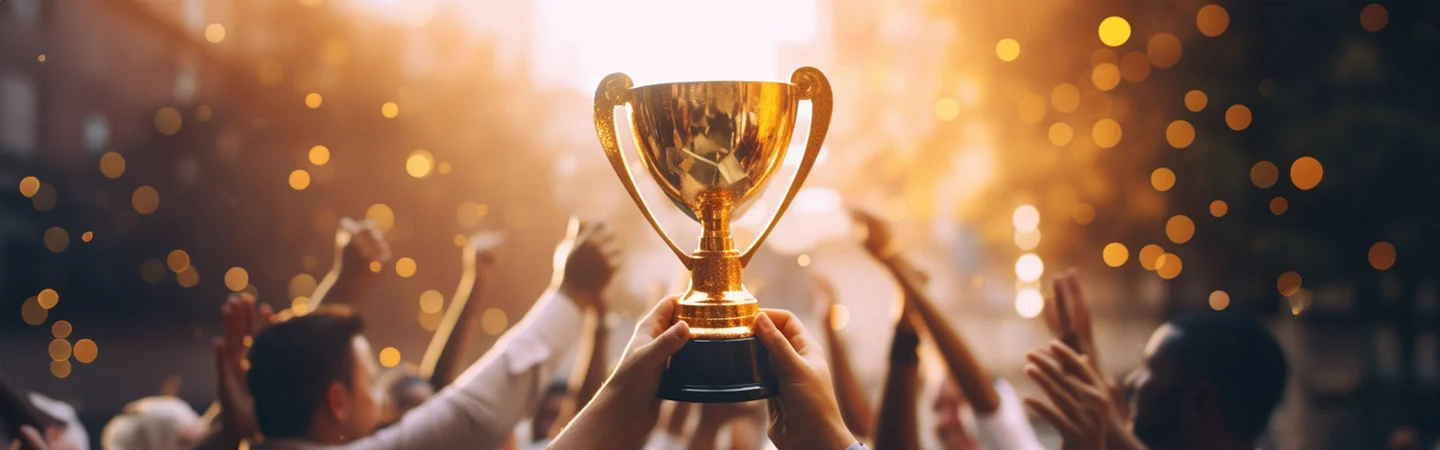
(711, 146)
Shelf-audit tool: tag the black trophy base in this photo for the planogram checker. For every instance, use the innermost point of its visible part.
(719, 371)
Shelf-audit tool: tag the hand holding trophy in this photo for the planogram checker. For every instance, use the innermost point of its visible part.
(712, 146)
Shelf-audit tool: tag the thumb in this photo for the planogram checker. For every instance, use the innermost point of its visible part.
(664, 345)
(787, 360)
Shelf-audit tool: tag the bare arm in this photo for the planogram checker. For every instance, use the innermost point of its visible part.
(441, 363)
(357, 244)
(973, 379)
(854, 406)
(590, 370)
(896, 427)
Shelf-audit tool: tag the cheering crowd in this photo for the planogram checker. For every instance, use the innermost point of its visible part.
(309, 379)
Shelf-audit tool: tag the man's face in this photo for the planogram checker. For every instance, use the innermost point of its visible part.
(1155, 408)
(363, 415)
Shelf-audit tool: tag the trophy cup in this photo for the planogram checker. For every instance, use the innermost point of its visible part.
(711, 146)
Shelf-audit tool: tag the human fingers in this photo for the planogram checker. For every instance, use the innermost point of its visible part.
(790, 327)
(1059, 395)
(1073, 362)
(659, 319)
(788, 361)
(1049, 414)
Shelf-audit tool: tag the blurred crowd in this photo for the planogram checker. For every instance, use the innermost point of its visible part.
(306, 377)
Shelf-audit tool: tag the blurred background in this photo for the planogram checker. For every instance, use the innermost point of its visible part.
(1272, 158)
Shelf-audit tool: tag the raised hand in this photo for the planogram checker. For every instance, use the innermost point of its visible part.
(1080, 403)
(585, 261)
(805, 414)
(360, 242)
(483, 248)
(1067, 315)
(849, 391)
(948, 426)
(879, 240)
(626, 409)
(242, 319)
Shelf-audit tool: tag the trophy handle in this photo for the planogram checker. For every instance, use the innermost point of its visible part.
(612, 92)
(816, 88)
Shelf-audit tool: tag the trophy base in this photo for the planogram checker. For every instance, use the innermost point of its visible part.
(719, 371)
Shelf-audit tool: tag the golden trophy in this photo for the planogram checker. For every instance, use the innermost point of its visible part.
(711, 146)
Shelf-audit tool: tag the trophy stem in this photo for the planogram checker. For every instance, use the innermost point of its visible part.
(717, 306)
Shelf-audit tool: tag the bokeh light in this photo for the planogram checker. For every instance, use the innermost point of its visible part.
(389, 110)
(1135, 67)
(1105, 76)
(803, 260)
(112, 165)
(1164, 50)
(1288, 283)
(1374, 17)
(188, 278)
(1029, 267)
(314, 100)
(1115, 254)
(1382, 255)
(1180, 229)
(319, 155)
(1065, 97)
(48, 298)
(145, 200)
(419, 163)
(56, 239)
(61, 329)
(1007, 49)
(1264, 174)
(236, 278)
(1219, 208)
(299, 179)
(1237, 117)
(1027, 240)
(1149, 255)
(431, 301)
(59, 350)
(1029, 303)
(405, 267)
(29, 186)
(1061, 134)
(1168, 266)
(1279, 205)
(177, 260)
(1106, 133)
(1195, 101)
(947, 109)
(382, 216)
(215, 33)
(1083, 214)
(1180, 134)
(32, 312)
(204, 113)
(167, 121)
(1306, 172)
(1162, 179)
(389, 357)
(301, 285)
(1114, 31)
(1219, 300)
(87, 236)
(86, 351)
(1032, 108)
(60, 369)
(493, 321)
(1212, 20)
(1025, 218)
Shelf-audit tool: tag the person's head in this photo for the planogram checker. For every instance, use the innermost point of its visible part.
(311, 377)
(406, 392)
(549, 409)
(1208, 375)
(154, 423)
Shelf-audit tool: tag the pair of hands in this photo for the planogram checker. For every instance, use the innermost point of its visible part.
(242, 319)
(804, 415)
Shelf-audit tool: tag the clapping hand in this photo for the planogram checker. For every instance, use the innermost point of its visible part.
(237, 408)
(1080, 404)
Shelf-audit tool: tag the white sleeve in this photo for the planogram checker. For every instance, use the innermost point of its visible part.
(1007, 427)
(480, 409)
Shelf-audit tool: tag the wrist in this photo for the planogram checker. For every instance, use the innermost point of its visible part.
(584, 298)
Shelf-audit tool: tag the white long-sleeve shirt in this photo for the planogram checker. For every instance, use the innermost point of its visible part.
(482, 406)
(1006, 428)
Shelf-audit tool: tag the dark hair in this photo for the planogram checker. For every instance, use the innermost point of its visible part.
(292, 364)
(1241, 359)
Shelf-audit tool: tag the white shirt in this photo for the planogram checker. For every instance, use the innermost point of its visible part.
(1006, 428)
(482, 406)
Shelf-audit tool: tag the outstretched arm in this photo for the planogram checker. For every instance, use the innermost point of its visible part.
(595, 263)
(357, 244)
(973, 379)
(854, 406)
(896, 428)
(441, 363)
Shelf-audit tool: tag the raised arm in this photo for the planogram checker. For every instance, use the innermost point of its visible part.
(854, 405)
(478, 260)
(594, 264)
(897, 424)
(357, 244)
(972, 378)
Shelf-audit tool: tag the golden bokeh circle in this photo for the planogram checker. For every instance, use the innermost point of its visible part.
(1279, 205)
(188, 278)
(1007, 49)
(1061, 134)
(382, 216)
(1180, 134)
(1288, 284)
(1106, 133)
(314, 100)
(1382, 255)
(493, 321)
(390, 357)
(1212, 20)
(112, 165)
(319, 155)
(145, 200)
(1180, 229)
(1306, 172)
(1164, 50)
(1162, 179)
(1135, 66)
(1114, 31)
(48, 298)
(1065, 97)
(405, 267)
(61, 329)
(1264, 174)
(1169, 266)
(1105, 76)
(215, 33)
(29, 186)
(60, 369)
(236, 279)
(1219, 300)
(32, 312)
(86, 351)
(299, 179)
(59, 350)
(1115, 254)
(420, 163)
(56, 239)
(1219, 208)
(1083, 214)
(1032, 108)
(1238, 117)
(1374, 17)
(431, 301)
(167, 121)
(1195, 100)
(1149, 255)
(301, 285)
(389, 110)
(947, 109)
(177, 260)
